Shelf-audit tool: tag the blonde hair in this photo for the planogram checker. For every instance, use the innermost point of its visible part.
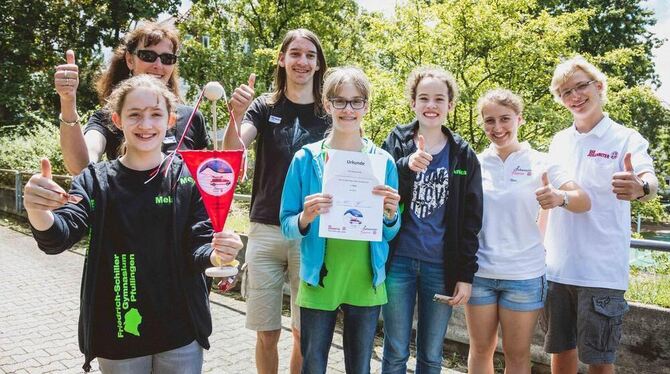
(566, 69)
(116, 100)
(502, 97)
(436, 72)
(337, 77)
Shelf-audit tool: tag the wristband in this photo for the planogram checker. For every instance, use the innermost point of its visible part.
(566, 200)
(71, 124)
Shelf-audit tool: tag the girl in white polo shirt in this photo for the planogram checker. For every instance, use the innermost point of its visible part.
(510, 286)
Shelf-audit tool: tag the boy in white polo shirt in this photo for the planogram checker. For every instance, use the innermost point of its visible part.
(587, 254)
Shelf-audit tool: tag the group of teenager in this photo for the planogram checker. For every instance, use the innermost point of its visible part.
(511, 233)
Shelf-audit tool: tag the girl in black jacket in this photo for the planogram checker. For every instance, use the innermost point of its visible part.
(434, 252)
(144, 300)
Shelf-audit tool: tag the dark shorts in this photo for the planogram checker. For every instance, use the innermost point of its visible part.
(589, 319)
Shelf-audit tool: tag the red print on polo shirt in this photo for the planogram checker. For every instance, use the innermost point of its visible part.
(599, 154)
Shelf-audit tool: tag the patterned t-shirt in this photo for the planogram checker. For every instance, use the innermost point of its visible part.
(283, 128)
(421, 235)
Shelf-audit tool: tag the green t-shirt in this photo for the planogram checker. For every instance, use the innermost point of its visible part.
(348, 279)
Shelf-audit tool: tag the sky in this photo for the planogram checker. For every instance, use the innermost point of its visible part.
(661, 29)
(662, 55)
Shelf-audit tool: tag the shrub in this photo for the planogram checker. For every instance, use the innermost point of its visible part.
(23, 152)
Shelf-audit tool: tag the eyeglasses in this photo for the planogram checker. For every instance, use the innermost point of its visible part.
(150, 56)
(579, 89)
(341, 103)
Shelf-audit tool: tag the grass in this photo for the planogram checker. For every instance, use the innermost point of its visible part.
(651, 285)
(649, 288)
(238, 217)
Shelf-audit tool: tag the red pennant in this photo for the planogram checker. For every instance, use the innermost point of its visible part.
(215, 174)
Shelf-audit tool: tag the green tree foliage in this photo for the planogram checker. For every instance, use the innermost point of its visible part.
(243, 37)
(619, 27)
(514, 44)
(638, 107)
(650, 211)
(34, 35)
(486, 44)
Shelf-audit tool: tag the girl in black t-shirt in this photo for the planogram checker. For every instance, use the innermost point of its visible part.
(144, 298)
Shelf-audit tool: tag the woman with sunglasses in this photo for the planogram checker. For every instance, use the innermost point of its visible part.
(152, 48)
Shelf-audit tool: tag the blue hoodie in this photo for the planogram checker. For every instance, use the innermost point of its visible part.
(304, 178)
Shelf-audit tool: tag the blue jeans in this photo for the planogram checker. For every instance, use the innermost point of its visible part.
(316, 336)
(182, 360)
(406, 278)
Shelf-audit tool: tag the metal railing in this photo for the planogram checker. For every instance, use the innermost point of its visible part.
(654, 245)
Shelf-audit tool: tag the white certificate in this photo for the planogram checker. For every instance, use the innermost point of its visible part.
(356, 213)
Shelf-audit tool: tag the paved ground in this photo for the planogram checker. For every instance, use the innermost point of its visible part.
(39, 307)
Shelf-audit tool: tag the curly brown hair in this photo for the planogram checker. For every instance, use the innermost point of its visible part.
(148, 34)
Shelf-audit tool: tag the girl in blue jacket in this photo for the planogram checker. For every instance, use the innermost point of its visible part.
(346, 275)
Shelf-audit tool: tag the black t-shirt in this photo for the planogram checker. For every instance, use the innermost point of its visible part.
(196, 137)
(283, 128)
(132, 303)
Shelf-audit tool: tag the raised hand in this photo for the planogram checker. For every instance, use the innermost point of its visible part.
(41, 192)
(242, 98)
(626, 185)
(420, 159)
(391, 200)
(226, 245)
(318, 203)
(547, 196)
(66, 78)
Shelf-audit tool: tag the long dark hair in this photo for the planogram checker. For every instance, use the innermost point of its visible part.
(279, 92)
(149, 33)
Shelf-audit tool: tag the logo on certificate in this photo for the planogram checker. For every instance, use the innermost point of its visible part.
(353, 218)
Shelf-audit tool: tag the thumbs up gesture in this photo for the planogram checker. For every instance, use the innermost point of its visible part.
(420, 159)
(66, 78)
(242, 98)
(547, 196)
(626, 185)
(42, 193)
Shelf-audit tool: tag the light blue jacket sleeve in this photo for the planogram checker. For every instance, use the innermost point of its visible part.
(292, 197)
(389, 232)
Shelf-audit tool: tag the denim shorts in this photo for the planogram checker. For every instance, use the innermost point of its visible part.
(516, 295)
(587, 318)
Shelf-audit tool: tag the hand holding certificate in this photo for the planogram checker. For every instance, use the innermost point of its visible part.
(356, 212)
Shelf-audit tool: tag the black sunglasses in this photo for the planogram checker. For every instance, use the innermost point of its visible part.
(147, 55)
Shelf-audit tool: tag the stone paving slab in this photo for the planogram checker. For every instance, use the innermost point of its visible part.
(39, 307)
